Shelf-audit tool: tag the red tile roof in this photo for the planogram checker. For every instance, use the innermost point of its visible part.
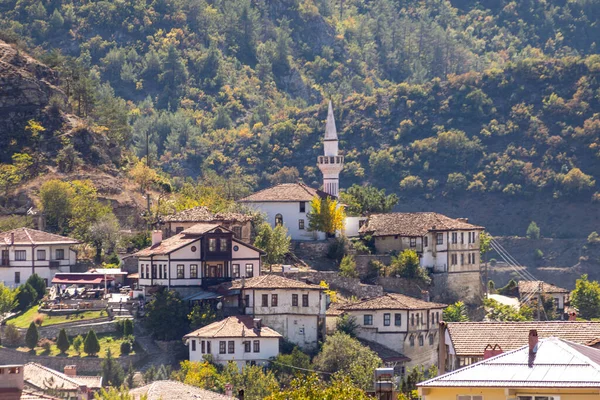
(392, 301)
(285, 192)
(534, 287)
(471, 338)
(233, 327)
(413, 224)
(29, 236)
(166, 246)
(202, 214)
(201, 229)
(270, 281)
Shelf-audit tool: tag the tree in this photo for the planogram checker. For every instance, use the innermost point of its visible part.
(112, 372)
(287, 366)
(533, 231)
(415, 375)
(201, 315)
(407, 265)
(256, 382)
(12, 336)
(456, 312)
(91, 345)
(166, 315)
(104, 234)
(55, 197)
(38, 284)
(576, 181)
(326, 215)
(310, 387)
(364, 200)
(85, 209)
(347, 324)
(32, 336)
(62, 342)
(344, 354)
(496, 311)
(127, 327)
(143, 175)
(77, 343)
(113, 393)
(348, 267)
(201, 374)
(274, 241)
(586, 297)
(26, 296)
(8, 299)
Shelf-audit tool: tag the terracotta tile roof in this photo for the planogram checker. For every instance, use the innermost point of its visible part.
(270, 281)
(412, 224)
(162, 390)
(534, 287)
(233, 327)
(392, 301)
(556, 363)
(385, 353)
(202, 214)
(166, 246)
(33, 236)
(41, 377)
(92, 382)
(471, 338)
(29, 395)
(285, 192)
(201, 229)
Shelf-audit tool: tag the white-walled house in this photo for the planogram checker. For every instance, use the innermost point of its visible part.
(26, 251)
(200, 256)
(531, 290)
(443, 244)
(404, 324)
(293, 308)
(241, 339)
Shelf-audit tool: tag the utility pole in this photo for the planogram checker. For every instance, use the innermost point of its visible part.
(539, 299)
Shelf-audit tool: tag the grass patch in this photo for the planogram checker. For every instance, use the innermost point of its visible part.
(31, 315)
(107, 341)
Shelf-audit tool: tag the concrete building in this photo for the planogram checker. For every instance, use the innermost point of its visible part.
(239, 224)
(548, 369)
(240, 339)
(26, 251)
(200, 256)
(404, 324)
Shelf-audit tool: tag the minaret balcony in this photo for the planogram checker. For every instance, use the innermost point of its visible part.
(330, 160)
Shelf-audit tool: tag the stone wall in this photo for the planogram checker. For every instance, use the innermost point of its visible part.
(401, 285)
(451, 287)
(362, 262)
(85, 365)
(346, 286)
(101, 325)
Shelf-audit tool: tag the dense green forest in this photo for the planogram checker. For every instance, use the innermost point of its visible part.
(432, 98)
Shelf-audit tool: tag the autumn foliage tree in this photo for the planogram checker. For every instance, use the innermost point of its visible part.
(326, 215)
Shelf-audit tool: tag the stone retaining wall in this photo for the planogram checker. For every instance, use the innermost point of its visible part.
(100, 325)
(346, 286)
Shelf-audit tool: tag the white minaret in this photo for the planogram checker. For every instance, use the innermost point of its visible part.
(331, 164)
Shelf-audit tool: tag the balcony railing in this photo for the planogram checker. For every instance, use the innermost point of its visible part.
(331, 159)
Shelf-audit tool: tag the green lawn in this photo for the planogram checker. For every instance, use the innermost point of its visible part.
(25, 319)
(107, 341)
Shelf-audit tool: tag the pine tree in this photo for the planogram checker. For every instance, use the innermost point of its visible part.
(77, 343)
(62, 342)
(112, 372)
(127, 327)
(91, 345)
(32, 336)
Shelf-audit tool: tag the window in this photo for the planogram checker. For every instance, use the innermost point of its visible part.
(417, 319)
(454, 237)
(425, 241)
(142, 270)
(212, 244)
(237, 231)
(20, 255)
(249, 270)
(278, 220)
(470, 397)
(147, 271)
(231, 347)
(437, 317)
(440, 238)
(179, 229)
(222, 347)
(193, 271)
(462, 237)
(202, 348)
(41, 254)
(222, 245)
(208, 347)
(421, 340)
(60, 254)
(412, 341)
(462, 259)
(247, 346)
(367, 319)
(431, 340)
(301, 224)
(305, 300)
(265, 300)
(387, 319)
(302, 206)
(193, 345)
(236, 271)
(180, 271)
(160, 269)
(165, 270)
(398, 319)
(453, 259)
(153, 271)
(257, 346)
(273, 300)
(294, 300)
(17, 277)
(527, 397)
(247, 300)
(413, 242)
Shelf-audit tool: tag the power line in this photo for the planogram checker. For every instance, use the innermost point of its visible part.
(299, 368)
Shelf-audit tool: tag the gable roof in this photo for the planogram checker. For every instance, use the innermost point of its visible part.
(392, 301)
(270, 281)
(385, 353)
(413, 224)
(42, 378)
(285, 192)
(30, 236)
(534, 287)
(202, 214)
(161, 390)
(471, 338)
(233, 327)
(202, 228)
(167, 246)
(557, 363)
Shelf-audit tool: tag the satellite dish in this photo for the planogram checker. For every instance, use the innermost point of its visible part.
(219, 305)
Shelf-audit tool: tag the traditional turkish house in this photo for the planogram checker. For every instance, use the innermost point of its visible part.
(403, 324)
(239, 224)
(67, 385)
(533, 290)
(200, 256)
(26, 251)
(465, 343)
(241, 339)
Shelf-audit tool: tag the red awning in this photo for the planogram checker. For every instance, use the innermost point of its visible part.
(80, 279)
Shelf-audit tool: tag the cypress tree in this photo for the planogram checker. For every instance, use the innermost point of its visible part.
(63, 341)
(32, 336)
(91, 345)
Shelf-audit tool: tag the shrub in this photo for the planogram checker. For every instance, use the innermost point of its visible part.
(77, 343)
(125, 348)
(348, 267)
(12, 336)
(26, 296)
(128, 327)
(337, 248)
(593, 237)
(45, 344)
(411, 183)
(32, 336)
(347, 324)
(533, 231)
(39, 319)
(63, 341)
(538, 254)
(91, 345)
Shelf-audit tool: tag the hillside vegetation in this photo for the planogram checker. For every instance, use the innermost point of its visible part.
(474, 104)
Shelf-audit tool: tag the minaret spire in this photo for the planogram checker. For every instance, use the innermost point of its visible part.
(331, 164)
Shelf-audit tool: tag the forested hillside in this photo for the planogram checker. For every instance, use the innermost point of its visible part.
(474, 104)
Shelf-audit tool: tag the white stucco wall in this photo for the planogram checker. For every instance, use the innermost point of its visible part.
(269, 347)
(42, 267)
(290, 211)
(352, 225)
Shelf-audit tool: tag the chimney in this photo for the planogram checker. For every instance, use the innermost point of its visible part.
(442, 349)
(465, 220)
(12, 238)
(70, 370)
(257, 324)
(156, 237)
(573, 316)
(228, 390)
(490, 351)
(425, 295)
(533, 341)
(11, 378)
